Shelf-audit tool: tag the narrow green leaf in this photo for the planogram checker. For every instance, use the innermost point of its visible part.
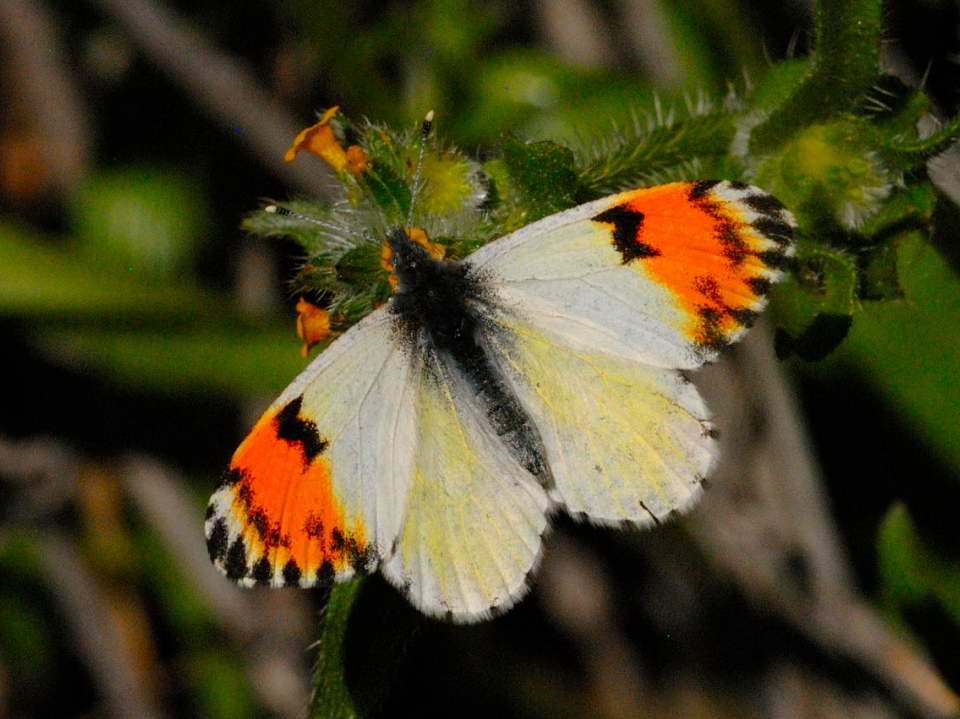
(249, 361)
(635, 159)
(218, 685)
(43, 280)
(912, 570)
(898, 559)
(389, 190)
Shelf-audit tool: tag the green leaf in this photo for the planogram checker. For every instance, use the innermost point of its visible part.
(638, 159)
(389, 190)
(907, 208)
(249, 361)
(814, 307)
(543, 176)
(910, 349)
(331, 698)
(43, 280)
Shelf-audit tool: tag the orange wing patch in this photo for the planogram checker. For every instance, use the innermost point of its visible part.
(275, 519)
(717, 246)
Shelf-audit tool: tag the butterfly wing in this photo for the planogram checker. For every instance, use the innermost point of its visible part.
(380, 452)
(316, 491)
(591, 312)
(474, 515)
(666, 275)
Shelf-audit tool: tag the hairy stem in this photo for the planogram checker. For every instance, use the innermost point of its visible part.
(845, 66)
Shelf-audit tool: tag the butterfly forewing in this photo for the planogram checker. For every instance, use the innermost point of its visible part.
(317, 489)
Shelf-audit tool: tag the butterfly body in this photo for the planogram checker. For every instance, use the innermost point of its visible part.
(539, 374)
(437, 307)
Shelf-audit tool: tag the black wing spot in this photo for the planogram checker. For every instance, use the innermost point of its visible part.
(231, 477)
(627, 225)
(744, 316)
(701, 188)
(292, 428)
(217, 541)
(236, 564)
(262, 571)
(337, 541)
(774, 259)
(777, 230)
(325, 574)
(291, 573)
(760, 286)
(764, 204)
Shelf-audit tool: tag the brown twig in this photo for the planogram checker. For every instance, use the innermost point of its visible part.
(576, 31)
(271, 625)
(43, 100)
(221, 85)
(89, 620)
(765, 521)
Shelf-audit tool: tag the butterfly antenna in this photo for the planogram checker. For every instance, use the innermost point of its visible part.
(424, 135)
(284, 212)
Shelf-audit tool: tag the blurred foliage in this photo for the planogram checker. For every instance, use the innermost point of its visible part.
(913, 572)
(142, 221)
(520, 134)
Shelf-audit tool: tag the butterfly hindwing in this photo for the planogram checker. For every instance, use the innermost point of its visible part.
(474, 515)
(625, 442)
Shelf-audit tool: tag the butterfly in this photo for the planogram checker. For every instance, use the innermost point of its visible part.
(545, 372)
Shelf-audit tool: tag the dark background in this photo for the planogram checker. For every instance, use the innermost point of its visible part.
(144, 332)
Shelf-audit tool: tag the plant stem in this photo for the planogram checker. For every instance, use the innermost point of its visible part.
(910, 153)
(845, 66)
(331, 698)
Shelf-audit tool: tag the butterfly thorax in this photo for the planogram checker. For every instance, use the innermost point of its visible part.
(432, 294)
(434, 305)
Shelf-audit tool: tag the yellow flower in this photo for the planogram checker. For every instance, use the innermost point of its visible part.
(313, 325)
(322, 142)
